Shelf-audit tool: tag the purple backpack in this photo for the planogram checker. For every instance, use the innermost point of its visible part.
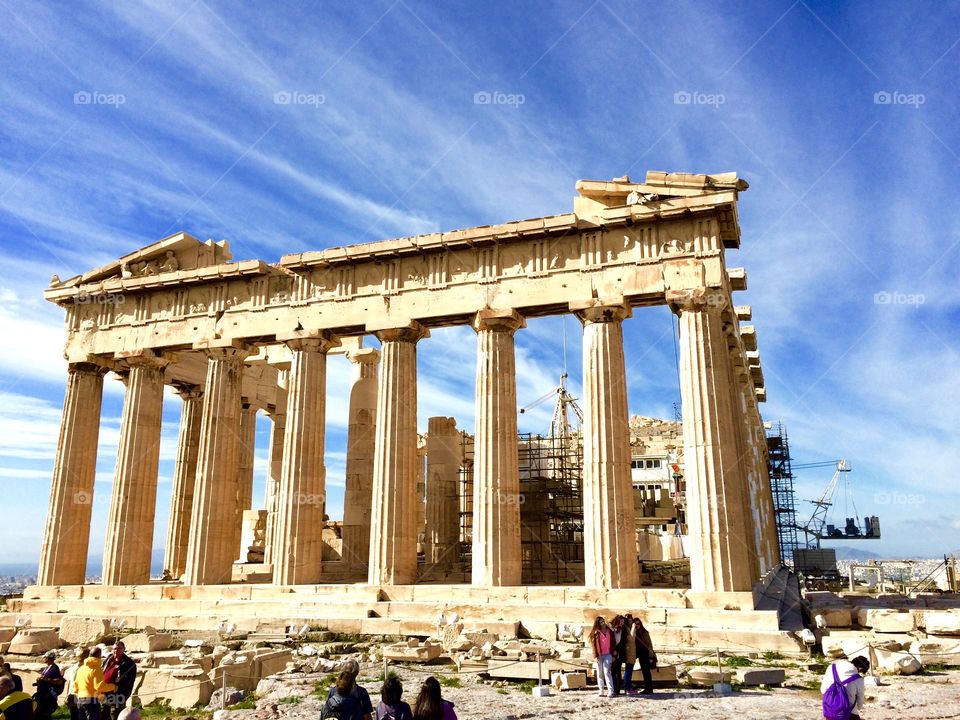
(836, 704)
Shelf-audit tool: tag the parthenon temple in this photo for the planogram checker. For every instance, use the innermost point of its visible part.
(420, 524)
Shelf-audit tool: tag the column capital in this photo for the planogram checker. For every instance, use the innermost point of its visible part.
(93, 366)
(498, 320)
(309, 340)
(150, 358)
(224, 348)
(362, 356)
(599, 311)
(698, 299)
(188, 391)
(411, 333)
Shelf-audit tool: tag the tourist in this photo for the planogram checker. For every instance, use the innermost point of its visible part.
(848, 675)
(645, 654)
(430, 704)
(341, 704)
(14, 704)
(49, 686)
(619, 630)
(119, 670)
(357, 692)
(17, 680)
(89, 685)
(82, 654)
(629, 654)
(391, 707)
(601, 640)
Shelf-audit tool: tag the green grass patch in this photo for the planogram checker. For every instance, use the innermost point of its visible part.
(249, 702)
(771, 656)
(737, 661)
(501, 691)
(161, 708)
(526, 687)
(322, 686)
(451, 681)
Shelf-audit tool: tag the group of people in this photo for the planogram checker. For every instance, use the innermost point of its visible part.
(96, 689)
(618, 646)
(347, 700)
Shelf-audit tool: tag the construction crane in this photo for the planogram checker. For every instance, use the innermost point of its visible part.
(565, 403)
(817, 528)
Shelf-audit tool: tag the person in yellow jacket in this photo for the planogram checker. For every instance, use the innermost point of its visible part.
(14, 704)
(89, 686)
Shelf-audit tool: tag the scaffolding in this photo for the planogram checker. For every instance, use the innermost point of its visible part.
(551, 507)
(781, 486)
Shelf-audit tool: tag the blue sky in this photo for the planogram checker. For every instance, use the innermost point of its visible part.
(124, 122)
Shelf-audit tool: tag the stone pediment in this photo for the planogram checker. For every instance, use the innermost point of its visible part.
(172, 254)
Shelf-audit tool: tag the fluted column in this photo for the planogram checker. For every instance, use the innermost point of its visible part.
(609, 523)
(496, 473)
(271, 495)
(358, 495)
(393, 526)
(211, 550)
(129, 544)
(719, 553)
(743, 467)
(300, 505)
(444, 457)
(184, 481)
(247, 449)
(66, 537)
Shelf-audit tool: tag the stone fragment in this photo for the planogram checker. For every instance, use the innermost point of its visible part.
(568, 680)
(403, 652)
(83, 631)
(760, 676)
(33, 642)
(894, 662)
(884, 620)
(182, 687)
(942, 622)
(707, 677)
(143, 642)
(835, 617)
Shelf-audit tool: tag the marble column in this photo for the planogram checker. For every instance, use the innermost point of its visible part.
(66, 537)
(444, 457)
(361, 429)
(609, 522)
(271, 495)
(247, 449)
(300, 505)
(129, 539)
(496, 472)
(184, 480)
(743, 467)
(719, 554)
(211, 549)
(393, 525)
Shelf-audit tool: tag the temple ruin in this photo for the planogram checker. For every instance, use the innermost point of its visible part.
(433, 521)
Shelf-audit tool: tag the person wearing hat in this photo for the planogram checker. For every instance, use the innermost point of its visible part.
(358, 692)
(49, 686)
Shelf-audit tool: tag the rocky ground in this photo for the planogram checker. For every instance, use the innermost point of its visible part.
(931, 695)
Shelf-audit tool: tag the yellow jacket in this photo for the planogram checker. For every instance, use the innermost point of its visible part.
(88, 682)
